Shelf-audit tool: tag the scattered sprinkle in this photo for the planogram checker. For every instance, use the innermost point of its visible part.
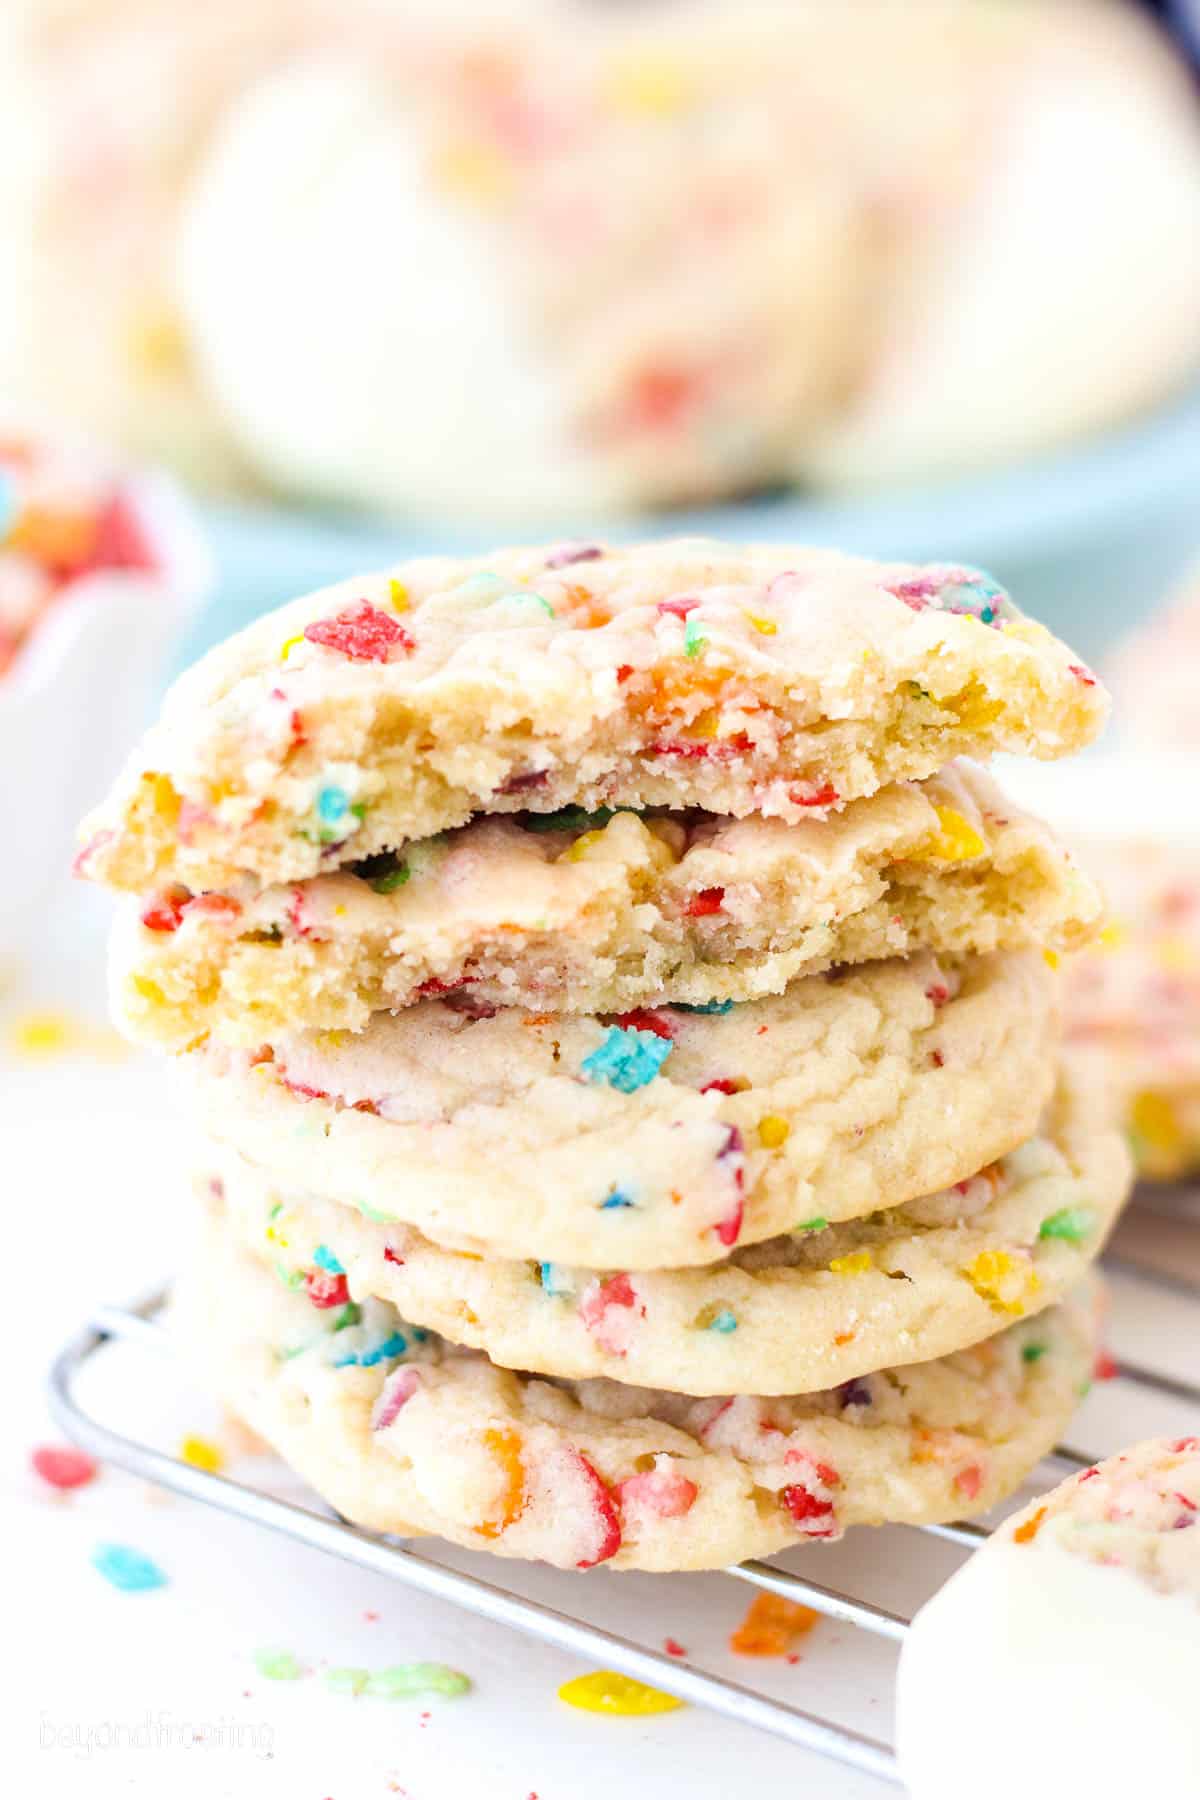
(64, 1467)
(771, 1626)
(202, 1453)
(347, 1680)
(1031, 1353)
(278, 1665)
(127, 1569)
(673, 1647)
(404, 1680)
(619, 1695)
(384, 872)
(1025, 1534)
(817, 1224)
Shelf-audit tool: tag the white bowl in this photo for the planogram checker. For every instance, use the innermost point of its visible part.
(79, 693)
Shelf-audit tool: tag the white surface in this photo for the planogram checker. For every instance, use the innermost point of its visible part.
(92, 1177)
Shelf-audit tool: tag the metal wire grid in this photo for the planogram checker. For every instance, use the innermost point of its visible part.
(393, 1557)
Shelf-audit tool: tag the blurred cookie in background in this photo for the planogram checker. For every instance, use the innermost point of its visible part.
(562, 257)
(1153, 675)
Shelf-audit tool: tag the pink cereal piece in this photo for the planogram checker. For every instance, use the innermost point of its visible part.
(602, 1297)
(730, 1227)
(398, 1390)
(969, 1481)
(660, 1492)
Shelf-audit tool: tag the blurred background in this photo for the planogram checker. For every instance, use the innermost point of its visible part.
(294, 287)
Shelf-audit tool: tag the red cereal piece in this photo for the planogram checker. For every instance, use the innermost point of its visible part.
(723, 1084)
(808, 1510)
(166, 912)
(121, 541)
(730, 1228)
(1105, 1367)
(642, 1018)
(679, 606)
(708, 900)
(64, 1467)
(362, 632)
(606, 1519)
(216, 906)
(1082, 674)
(326, 1290)
(822, 796)
(969, 1481)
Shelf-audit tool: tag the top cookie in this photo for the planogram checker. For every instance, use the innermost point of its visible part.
(757, 679)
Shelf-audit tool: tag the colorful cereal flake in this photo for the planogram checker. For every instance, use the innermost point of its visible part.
(627, 1059)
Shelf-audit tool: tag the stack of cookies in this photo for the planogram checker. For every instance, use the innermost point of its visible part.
(626, 1037)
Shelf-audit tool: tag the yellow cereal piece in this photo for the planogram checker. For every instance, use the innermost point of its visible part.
(1175, 955)
(398, 595)
(990, 1274)
(773, 1131)
(156, 340)
(706, 724)
(974, 709)
(202, 1454)
(39, 1036)
(956, 840)
(1152, 1119)
(653, 85)
(855, 1263)
(581, 846)
(1113, 935)
(1051, 958)
(473, 172)
(607, 1692)
(331, 1040)
(768, 627)
(289, 644)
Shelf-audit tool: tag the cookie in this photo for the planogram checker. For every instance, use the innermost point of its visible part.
(765, 680)
(403, 1432)
(1083, 1605)
(662, 1138)
(792, 1314)
(603, 913)
(1133, 1000)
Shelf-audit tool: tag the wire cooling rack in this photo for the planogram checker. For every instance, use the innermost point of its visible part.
(139, 1322)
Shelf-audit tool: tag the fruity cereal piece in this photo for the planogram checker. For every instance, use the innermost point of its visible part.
(480, 1126)
(580, 1474)
(489, 698)
(771, 1626)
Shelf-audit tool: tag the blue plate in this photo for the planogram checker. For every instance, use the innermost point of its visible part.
(1088, 539)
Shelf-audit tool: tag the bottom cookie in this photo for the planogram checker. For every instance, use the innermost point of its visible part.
(404, 1432)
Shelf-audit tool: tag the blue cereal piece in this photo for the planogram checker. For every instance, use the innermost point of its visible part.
(717, 1008)
(127, 1569)
(333, 803)
(627, 1059)
(724, 1322)
(325, 1259)
(617, 1201)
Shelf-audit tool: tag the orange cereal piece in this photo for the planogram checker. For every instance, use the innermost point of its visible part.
(505, 1446)
(771, 1626)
